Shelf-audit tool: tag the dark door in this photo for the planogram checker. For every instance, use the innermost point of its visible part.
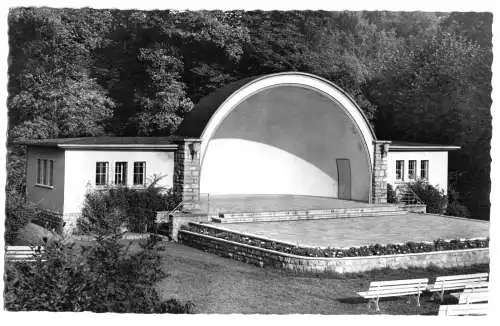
(344, 181)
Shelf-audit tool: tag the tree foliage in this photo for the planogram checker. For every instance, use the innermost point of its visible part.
(418, 76)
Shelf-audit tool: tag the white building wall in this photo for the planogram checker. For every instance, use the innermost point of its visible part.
(50, 198)
(438, 166)
(81, 170)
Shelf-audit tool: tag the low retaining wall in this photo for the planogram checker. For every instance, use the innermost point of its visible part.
(265, 257)
(176, 221)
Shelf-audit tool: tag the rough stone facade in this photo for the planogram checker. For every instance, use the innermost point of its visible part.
(379, 183)
(265, 257)
(187, 168)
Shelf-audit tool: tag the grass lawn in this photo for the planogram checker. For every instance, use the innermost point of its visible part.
(220, 285)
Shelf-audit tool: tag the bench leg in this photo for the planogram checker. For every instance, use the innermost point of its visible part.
(375, 301)
(440, 295)
(417, 299)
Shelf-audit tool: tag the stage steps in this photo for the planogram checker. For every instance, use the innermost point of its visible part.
(305, 214)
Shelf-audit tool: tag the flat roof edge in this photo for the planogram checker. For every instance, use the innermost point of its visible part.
(396, 148)
(117, 146)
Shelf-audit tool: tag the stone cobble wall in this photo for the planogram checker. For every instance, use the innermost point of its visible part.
(187, 173)
(49, 220)
(265, 257)
(176, 221)
(379, 184)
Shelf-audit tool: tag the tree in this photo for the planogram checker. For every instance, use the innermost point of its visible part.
(52, 88)
(163, 100)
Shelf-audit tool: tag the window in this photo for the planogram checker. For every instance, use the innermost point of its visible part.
(139, 173)
(101, 173)
(400, 169)
(412, 169)
(121, 173)
(424, 169)
(45, 172)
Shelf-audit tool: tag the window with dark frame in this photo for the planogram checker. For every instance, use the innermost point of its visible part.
(120, 173)
(412, 169)
(45, 172)
(101, 173)
(400, 169)
(424, 169)
(139, 173)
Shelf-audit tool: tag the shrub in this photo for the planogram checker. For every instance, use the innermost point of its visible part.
(455, 208)
(433, 197)
(102, 277)
(18, 213)
(391, 195)
(105, 211)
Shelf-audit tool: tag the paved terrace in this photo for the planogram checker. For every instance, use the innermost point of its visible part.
(358, 231)
(254, 203)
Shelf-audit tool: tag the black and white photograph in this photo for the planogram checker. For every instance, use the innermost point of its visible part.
(260, 161)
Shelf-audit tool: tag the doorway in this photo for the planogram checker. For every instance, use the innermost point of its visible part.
(344, 180)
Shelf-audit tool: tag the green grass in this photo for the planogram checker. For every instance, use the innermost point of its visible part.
(219, 285)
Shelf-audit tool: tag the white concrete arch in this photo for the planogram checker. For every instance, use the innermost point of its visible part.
(231, 149)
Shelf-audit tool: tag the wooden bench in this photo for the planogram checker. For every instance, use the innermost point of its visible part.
(385, 289)
(23, 253)
(473, 297)
(456, 282)
(478, 309)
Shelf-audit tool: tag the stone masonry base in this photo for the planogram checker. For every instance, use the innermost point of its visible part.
(265, 257)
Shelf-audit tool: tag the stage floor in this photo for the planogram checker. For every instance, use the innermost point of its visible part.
(256, 203)
(360, 231)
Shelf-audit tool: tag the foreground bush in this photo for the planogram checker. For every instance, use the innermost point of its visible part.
(18, 213)
(101, 277)
(372, 250)
(106, 211)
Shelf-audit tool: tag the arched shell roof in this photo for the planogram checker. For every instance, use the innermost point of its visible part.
(196, 121)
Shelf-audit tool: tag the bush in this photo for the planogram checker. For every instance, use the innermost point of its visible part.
(391, 195)
(455, 208)
(103, 277)
(105, 211)
(434, 198)
(18, 213)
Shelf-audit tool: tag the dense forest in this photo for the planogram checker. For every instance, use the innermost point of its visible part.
(418, 76)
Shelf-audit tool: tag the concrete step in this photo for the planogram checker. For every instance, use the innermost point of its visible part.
(242, 217)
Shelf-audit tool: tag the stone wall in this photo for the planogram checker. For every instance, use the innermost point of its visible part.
(49, 220)
(187, 168)
(379, 183)
(265, 257)
(176, 221)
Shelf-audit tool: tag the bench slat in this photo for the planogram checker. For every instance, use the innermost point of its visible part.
(23, 253)
(399, 282)
(463, 309)
(385, 294)
(459, 277)
(473, 297)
